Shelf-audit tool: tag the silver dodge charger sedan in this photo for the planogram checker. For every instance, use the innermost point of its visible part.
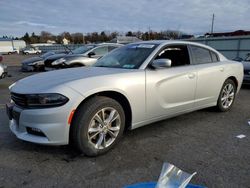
(132, 86)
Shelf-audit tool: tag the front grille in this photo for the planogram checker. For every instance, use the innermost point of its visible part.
(19, 99)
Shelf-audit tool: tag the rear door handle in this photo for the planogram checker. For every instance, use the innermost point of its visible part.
(191, 75)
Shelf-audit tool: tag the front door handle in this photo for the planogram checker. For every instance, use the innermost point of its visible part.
(191, 75)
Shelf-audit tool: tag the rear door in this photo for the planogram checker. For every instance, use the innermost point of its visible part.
(210, 75)
(171, 90)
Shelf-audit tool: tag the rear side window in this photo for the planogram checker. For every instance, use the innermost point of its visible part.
(201, 55)
(214, 57)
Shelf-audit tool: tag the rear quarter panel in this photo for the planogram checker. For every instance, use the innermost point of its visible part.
(235, 69)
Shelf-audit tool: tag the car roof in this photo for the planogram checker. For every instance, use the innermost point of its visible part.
(106, 43)
(166, 42)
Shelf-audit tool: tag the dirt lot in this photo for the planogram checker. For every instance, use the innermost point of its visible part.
(203, 141)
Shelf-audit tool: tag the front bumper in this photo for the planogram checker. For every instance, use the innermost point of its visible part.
(27, 68)
(50, 123)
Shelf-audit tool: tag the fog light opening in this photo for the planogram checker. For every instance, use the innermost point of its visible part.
(35, 131)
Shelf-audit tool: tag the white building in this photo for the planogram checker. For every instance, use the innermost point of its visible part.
(8, 46)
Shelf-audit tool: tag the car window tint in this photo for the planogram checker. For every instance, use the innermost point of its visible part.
(100, 51)
(214, 57)
(201, 55)
(178, 54)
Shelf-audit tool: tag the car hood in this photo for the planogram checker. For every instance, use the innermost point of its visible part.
(46, 81)
(74, 55)
(56, 56)
(246, 65)
(31, 60)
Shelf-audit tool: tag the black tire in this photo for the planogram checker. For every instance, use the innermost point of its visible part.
(79, 131)
(4, 75)
(220, 107)
(76, 65)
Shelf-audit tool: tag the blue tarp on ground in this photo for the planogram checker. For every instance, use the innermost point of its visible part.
(153, 184)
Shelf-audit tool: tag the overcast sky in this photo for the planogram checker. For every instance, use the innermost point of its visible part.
(190, 16)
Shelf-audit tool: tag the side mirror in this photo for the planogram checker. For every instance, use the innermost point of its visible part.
(90, 54)
(162, 63)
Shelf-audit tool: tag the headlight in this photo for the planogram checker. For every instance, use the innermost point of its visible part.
(46, 100)
(37, 63)
(12, 85)
(59, 61)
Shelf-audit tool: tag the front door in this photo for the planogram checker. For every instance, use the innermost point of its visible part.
(171, 90)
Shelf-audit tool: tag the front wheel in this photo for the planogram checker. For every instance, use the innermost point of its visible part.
(97, 126)
(227, 96)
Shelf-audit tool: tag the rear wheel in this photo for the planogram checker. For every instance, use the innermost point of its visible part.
(4, 75)
(227, 96)
(97, 126)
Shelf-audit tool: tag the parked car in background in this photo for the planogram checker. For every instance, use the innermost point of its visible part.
(87, 54)
(246, 64)
(35, 63)
(49, 60)
(87, 57)
(130, 87)
(3, 70)
(31, 50)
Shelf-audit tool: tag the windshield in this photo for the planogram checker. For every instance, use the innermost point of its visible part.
(82, 49)
(128, 57)
(47, 54)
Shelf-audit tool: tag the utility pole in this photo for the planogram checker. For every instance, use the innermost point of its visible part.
(212, 27)
(149, 33)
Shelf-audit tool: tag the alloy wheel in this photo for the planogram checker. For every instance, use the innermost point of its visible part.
(227, 96)
(104, 127)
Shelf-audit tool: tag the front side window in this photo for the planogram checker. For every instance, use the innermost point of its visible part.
(201, 55)
(100, 51)
(178, 54)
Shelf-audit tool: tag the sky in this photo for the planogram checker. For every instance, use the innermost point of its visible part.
(57, 16)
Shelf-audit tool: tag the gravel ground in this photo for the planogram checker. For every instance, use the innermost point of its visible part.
(204, 142)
